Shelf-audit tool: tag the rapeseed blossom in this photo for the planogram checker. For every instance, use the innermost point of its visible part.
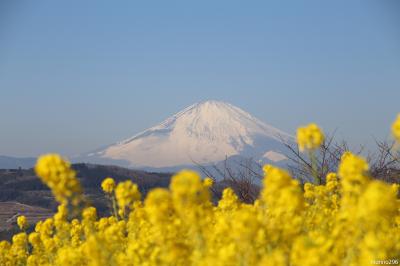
(22, 222)
(126, 193)
(208, 182)
(57, 174)
(396, 129)
(108, 185)
(309, 137)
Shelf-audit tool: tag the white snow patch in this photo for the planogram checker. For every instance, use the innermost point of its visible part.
(274, 156)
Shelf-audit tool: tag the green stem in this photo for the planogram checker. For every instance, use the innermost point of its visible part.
(114, 206)
(314, 171)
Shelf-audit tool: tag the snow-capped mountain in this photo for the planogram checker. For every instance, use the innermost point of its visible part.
(204, 133)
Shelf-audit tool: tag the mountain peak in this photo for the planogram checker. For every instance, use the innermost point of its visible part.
(205, 132)
(203, 107)
(212, 102)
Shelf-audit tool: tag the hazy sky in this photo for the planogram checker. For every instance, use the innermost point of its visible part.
(76, 75)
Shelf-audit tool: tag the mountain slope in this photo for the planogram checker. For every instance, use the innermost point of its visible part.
(204, 133)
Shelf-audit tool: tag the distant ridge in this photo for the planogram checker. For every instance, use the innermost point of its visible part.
(7, 162)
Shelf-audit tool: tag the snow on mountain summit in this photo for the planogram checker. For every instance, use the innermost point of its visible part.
(203, 133)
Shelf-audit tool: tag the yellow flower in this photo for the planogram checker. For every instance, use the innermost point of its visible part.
(378, 201)
(57, 174)
(396, 128)
(22, 222)
(347, 221)
(310, 137)
(208, 182)
(126, 193)
(158, 205)
(331, 181)
(34, 238)
(187, 189)
(353, 171)
(352, 167)
(89, 213)
(229, 200)
(108, 185)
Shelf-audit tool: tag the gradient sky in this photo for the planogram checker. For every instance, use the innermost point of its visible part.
(76, 75)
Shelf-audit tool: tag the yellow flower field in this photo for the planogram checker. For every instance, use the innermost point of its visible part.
(350, 220)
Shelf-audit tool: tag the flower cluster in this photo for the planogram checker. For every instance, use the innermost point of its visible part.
(22, 222)
(57, 174)
(108, 185)
(350, 220)
(396, 129)
(309, 137)
(126, 193)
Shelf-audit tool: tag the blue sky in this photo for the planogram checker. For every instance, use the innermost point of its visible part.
(76, 75)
